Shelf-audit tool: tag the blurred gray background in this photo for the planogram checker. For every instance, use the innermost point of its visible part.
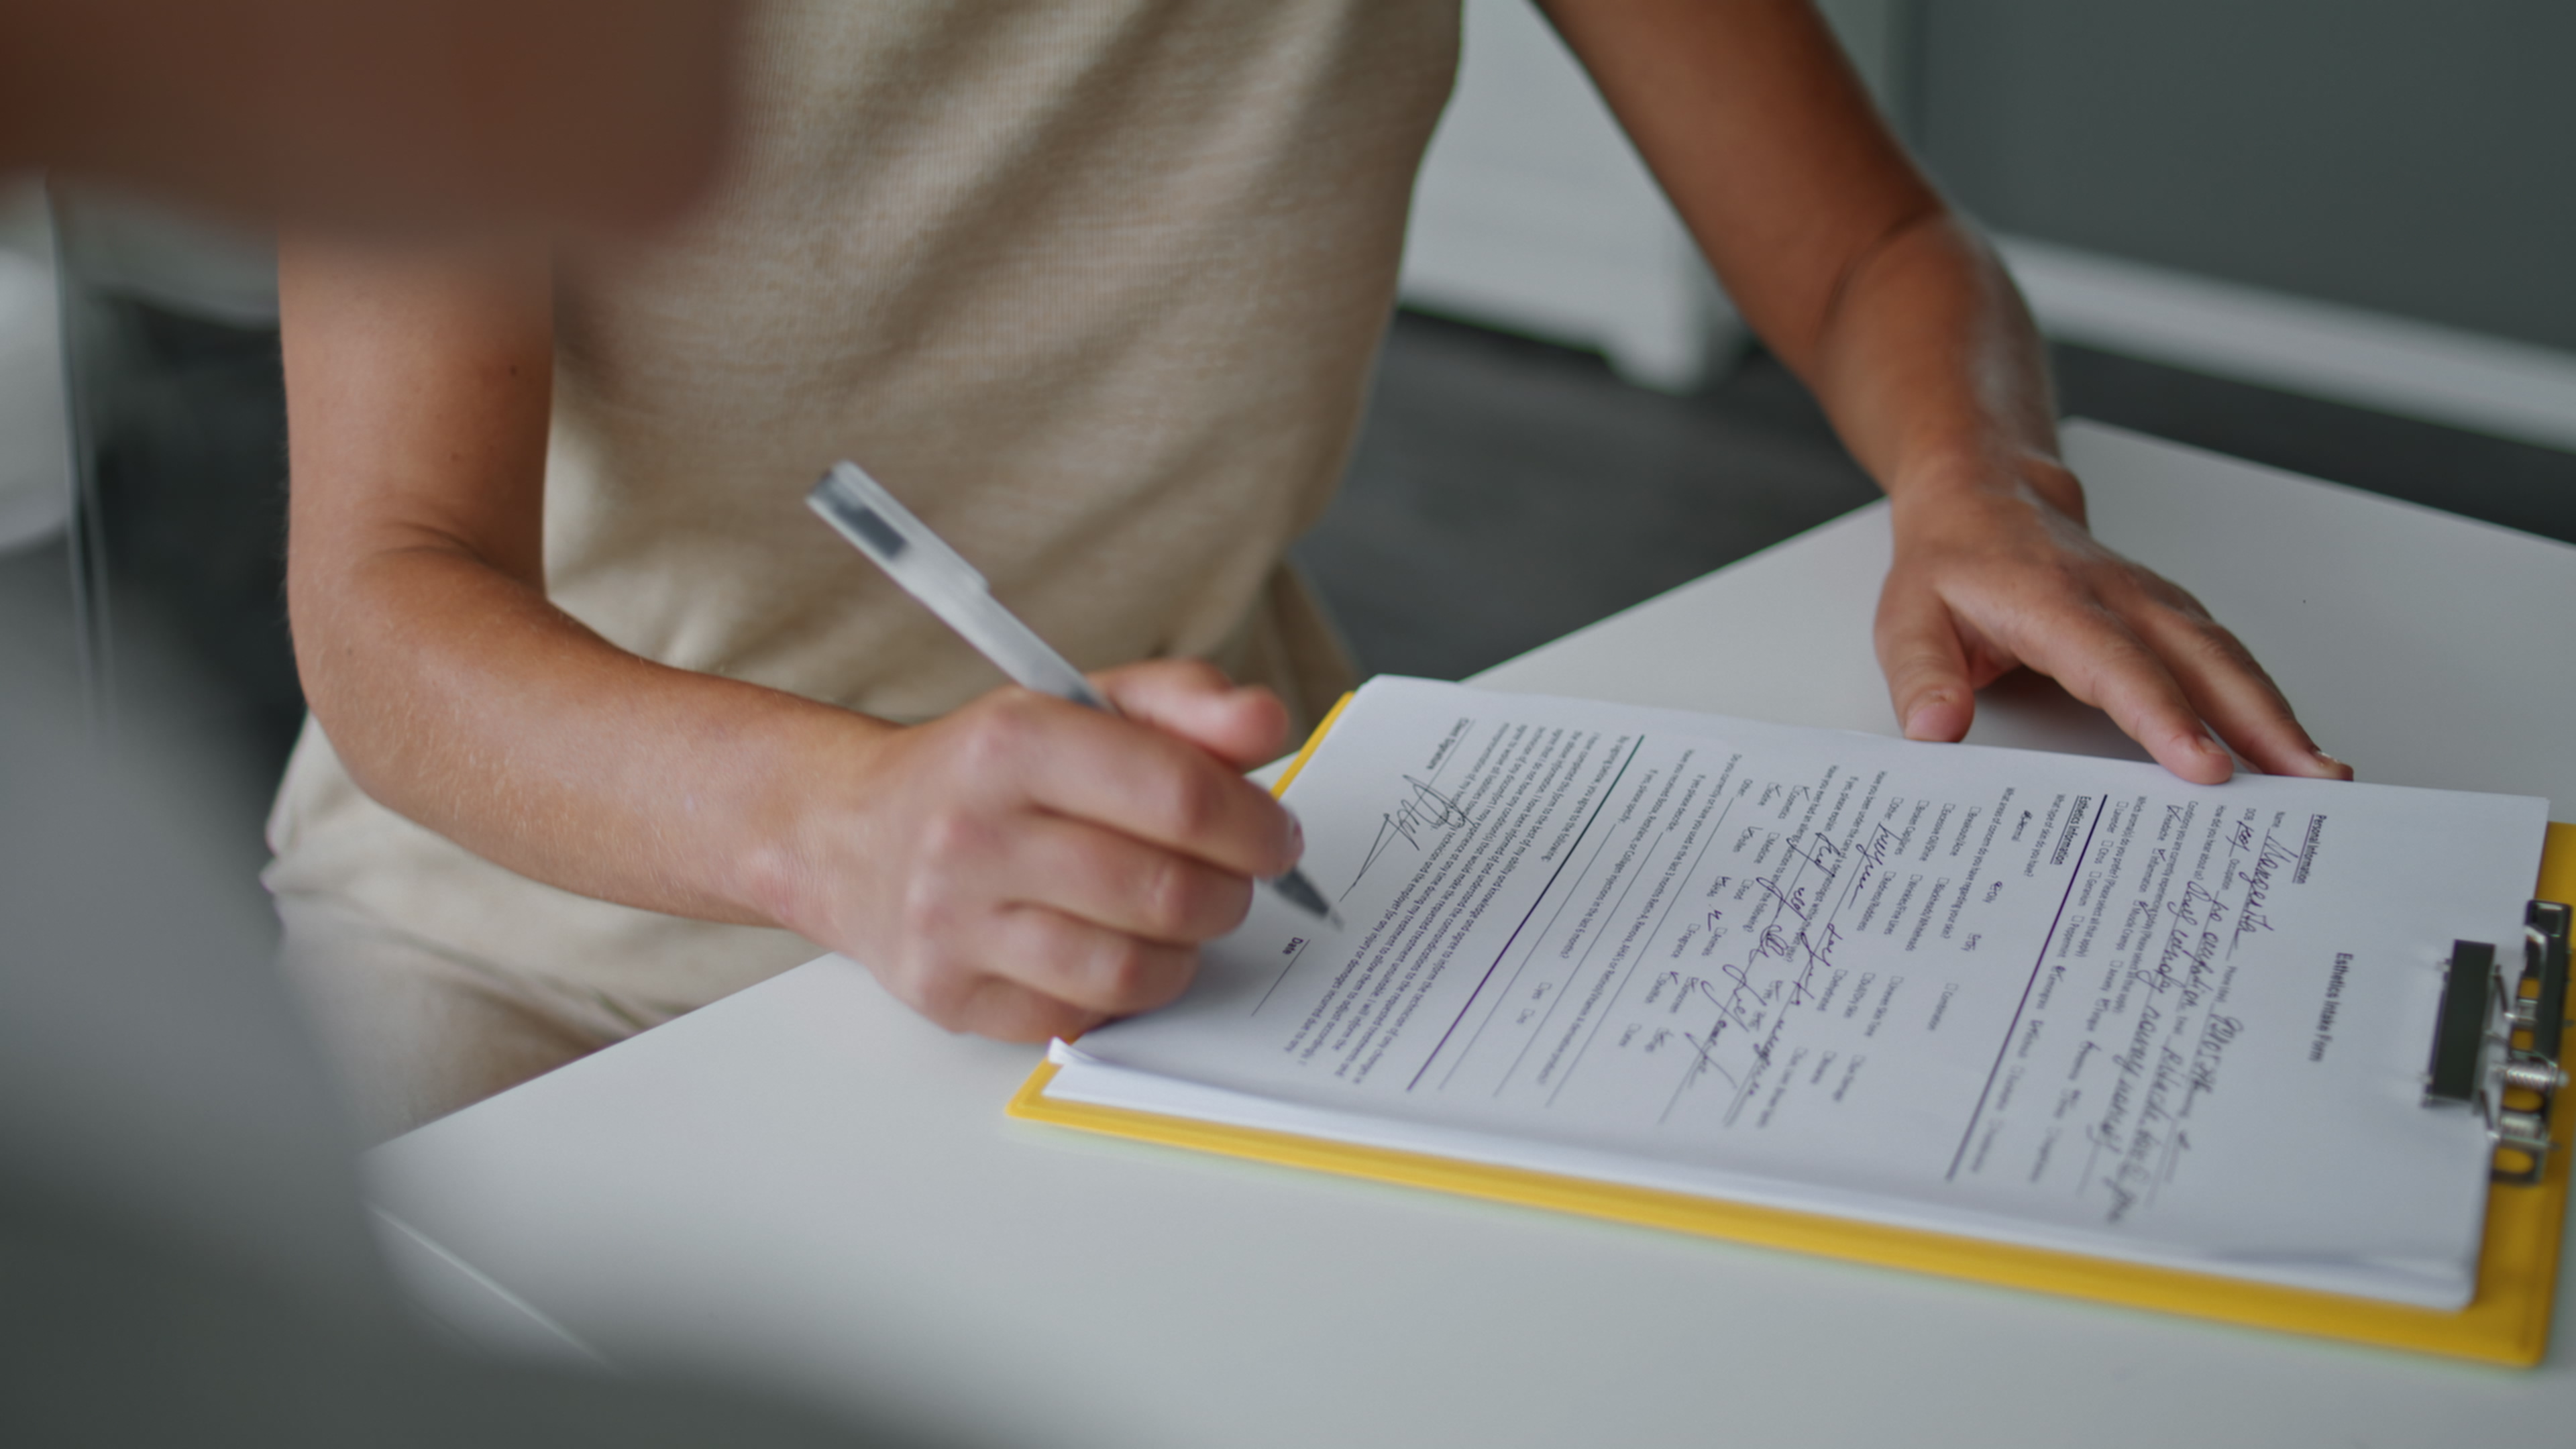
(2413, 157)
(1567, 407)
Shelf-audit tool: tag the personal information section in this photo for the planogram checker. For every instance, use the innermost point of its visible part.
(2056, 1000)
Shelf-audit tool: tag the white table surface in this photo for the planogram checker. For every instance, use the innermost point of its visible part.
(806, 1185)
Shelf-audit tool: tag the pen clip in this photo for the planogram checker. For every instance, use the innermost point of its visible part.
(862, 511)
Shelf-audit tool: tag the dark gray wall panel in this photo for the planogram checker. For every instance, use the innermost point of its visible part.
(2415, 156)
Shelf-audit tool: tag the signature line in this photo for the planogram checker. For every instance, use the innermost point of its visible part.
(1572, 848)
(2071, 878)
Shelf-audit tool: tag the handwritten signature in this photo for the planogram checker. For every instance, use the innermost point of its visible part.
(1423, 809)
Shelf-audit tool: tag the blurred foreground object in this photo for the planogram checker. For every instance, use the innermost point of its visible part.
(383, 114)
(35, 454)
(183, 1257)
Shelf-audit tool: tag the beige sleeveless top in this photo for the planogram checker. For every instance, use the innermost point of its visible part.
(1093, 285)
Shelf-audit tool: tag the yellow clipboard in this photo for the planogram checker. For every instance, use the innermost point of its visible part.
(2507, 1322)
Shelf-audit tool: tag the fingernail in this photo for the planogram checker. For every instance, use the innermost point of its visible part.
(2209, 745)
(1296, 834)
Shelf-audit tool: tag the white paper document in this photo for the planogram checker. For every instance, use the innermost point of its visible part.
(2054, 1000)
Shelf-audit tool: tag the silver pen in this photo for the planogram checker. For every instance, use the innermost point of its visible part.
(868, 516)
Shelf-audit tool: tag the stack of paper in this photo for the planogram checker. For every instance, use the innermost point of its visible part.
(2042, 1000)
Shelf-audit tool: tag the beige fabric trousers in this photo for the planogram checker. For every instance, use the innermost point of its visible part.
(417, 1031)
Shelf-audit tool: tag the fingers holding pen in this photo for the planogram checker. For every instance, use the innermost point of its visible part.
(1021, 924)
(1119, 883)
(1025, 867)
(1243, 725)
(1142, 782)
(1029, 974)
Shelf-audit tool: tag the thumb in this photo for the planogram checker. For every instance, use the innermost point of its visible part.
(1926, 665)
(1191, 699)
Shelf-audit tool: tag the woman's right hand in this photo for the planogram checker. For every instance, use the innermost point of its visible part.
(1026, 868)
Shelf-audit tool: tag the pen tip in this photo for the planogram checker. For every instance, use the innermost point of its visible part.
(1301, 893)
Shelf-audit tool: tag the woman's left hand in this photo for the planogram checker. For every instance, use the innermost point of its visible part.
(1994, 570)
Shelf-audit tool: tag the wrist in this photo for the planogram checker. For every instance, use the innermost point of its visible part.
(1983, 477)
(804, 770)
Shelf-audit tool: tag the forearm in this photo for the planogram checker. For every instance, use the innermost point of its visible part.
(1932, 371)
(1851, 267)
(418, 399)
(463, 700)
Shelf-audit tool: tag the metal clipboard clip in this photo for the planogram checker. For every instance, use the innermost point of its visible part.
(2497, 1047)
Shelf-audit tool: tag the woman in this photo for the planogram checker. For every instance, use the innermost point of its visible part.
(605, 726)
